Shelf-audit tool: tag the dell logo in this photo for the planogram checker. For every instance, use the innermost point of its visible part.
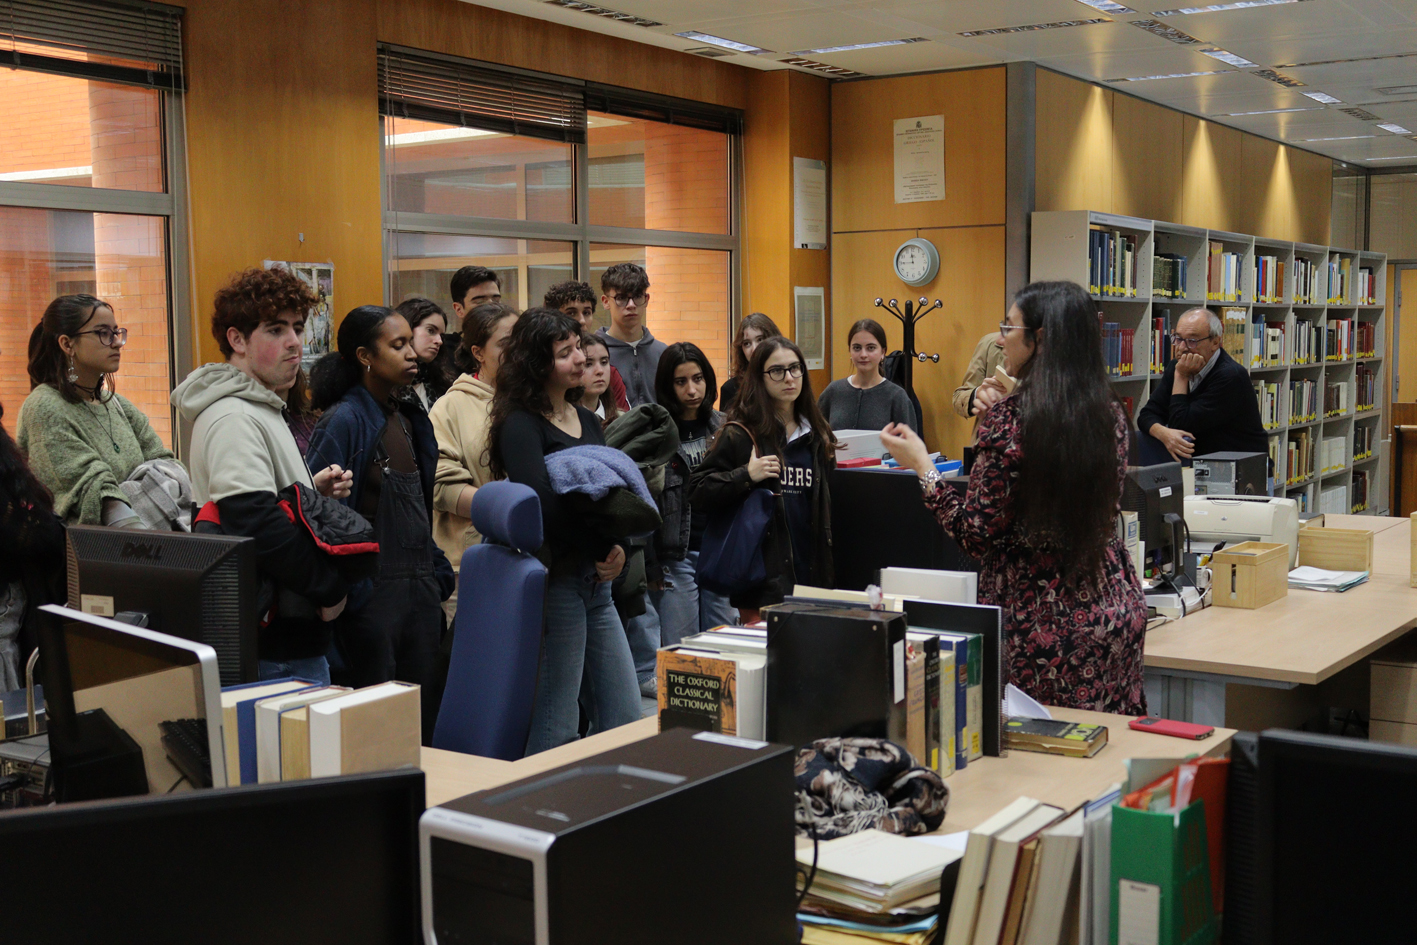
(133, 549)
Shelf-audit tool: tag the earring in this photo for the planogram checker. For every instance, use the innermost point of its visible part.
(368, 367)
(73, 374)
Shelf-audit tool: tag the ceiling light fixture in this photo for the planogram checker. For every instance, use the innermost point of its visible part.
(1323, 97)
(732, 44)
(1061, 24)
(1158, 28)
(1276, 111)
(837, 71)
(1172, 75)
(1279, 78)
(1341, 138)
(1393, 127)
(1398, 89)
(826, 50)
(1222, 7)
(1227, 57)
(1402, 157)
(1340, 62)
(1107, 6)
(580, 7)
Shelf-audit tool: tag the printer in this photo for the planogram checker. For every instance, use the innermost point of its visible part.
(1231, 519)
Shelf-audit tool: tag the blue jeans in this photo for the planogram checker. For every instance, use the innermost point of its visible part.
(585, 659)
(684, 608)
(643, 633)
(315, 668)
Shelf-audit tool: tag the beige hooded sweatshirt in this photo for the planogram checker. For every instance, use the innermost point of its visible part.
(460, 421)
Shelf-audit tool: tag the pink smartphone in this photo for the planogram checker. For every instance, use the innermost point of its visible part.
(1173, 728)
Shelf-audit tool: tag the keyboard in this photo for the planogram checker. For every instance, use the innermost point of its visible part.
(185, 741)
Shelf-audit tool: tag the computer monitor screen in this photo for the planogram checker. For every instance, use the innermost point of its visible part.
(140, 679)
(1152, 492)
(198, 587)
(1336, 835)
(293, 863)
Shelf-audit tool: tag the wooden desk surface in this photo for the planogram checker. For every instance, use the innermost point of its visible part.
(1307, 636)
(976, 793)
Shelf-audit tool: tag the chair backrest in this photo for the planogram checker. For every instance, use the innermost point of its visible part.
(486, 708)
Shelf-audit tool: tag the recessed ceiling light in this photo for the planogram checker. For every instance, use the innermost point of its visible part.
(1061, 24)
(1393, 127)
(606, 13)
(1339, 62)
(1342, 138)
(1399, 89)
(1288, 81)
(1276, 111)
(1323, 97)
(1166, 32)
(1107, 6)
(837, 71)
(1362, 114)
(732, 44)
(1403, 157)
(1221, 7)
(1171, 75)
(1227, 57)
(825, 50)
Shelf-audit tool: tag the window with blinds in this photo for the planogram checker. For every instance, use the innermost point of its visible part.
(126, 41)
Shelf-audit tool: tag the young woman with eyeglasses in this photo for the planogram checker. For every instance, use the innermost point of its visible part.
(775, 437)
(1040, 513)
(83, 438)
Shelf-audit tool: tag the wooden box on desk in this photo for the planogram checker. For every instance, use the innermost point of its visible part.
(1251, 574)
(1336, 549)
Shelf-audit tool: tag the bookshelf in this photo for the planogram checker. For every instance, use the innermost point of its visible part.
(1313, 323)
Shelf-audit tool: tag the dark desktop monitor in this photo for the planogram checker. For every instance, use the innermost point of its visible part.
(1335, 839)
(198, 587)
(1154, 492)
(329, 860)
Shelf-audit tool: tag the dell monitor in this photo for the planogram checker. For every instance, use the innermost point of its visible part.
(1155, 493)
(131, 711)
(199, 587)
(330, 860)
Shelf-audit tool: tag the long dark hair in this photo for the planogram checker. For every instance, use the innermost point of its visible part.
(66, 315)
(607, 399)
(684, 352)
(477, 328)
(24, 494)
(521, 377)
(755, 408)
(1069, 482)
(337, 372)
(439, 373)
(759, 322)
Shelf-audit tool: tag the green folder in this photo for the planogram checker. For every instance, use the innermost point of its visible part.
(1161, 878)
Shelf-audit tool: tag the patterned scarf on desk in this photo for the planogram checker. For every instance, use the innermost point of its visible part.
(846, 785)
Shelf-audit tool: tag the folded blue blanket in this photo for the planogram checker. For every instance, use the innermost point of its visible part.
(594, 471)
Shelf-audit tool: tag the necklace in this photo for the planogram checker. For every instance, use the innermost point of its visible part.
(108, 414)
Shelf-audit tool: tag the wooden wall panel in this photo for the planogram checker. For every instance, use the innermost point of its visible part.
(811, 138)
(971, 282)
(463, 29)
(282, 139)
(1210, 175)
(1146, 163)
(1313, 186)
(863, 182)
(1073, 149)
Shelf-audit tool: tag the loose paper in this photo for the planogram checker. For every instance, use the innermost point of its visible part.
(810, 304)
(1019, 704)
(809, 203)
(920, 159)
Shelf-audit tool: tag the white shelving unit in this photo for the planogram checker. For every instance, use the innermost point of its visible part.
(1059, 250)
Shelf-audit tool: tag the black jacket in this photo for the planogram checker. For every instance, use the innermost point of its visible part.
(721, 483)
(672, 540)
(1222, 413)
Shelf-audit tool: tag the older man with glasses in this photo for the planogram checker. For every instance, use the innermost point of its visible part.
(1204, 402)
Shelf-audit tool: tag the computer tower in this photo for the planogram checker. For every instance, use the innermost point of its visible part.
(834, 672)
(683, 837)
(1153, 492)
(1232, 474)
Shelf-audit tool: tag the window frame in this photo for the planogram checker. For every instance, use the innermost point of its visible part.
(581, 232)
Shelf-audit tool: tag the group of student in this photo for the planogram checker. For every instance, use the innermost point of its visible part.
(404, 422)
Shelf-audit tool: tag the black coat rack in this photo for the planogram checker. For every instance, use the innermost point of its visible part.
(914, 311)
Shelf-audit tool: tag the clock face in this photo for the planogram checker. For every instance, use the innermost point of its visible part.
(912, 262)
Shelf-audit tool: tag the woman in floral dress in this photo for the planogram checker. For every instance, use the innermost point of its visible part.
(1040, 512)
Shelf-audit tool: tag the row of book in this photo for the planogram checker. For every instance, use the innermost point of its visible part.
(1299, 459)
(1367, 286)
(1112, 263)
(1362, 481)
(1118, 344)
(1168, 276)
(1340, 279)
(1309, 285)
(1336, 398)
(1365, 388)
(1334, 500)
(292, 729)
(1364, 437)
(1367, 341)
(1267, 393)
(1339, 339)
(1305, 343)
(1303, 400)
(1267, 346)
(1269, 279)
(1222, 274)
(1160, 344)
(1333, 453)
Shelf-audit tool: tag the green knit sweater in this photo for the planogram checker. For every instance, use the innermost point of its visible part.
(83, 451)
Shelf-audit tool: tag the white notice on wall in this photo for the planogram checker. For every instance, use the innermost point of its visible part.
(809, 204)
(920, 159)
(810, 309)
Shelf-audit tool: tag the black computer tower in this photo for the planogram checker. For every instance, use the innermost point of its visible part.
(683, 837)
(1232, 474)
(864, 498)
(834, 672)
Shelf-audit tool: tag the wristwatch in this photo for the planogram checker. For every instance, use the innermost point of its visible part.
(930, 480)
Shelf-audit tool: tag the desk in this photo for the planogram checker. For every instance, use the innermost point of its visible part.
(1302, 640)
(976, 793)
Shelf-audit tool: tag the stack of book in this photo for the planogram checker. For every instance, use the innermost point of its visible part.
(1362, 481)
(1365, 385)
(1168, 276)
(1055, 737)
(1112, 256)
(1117, 345)
(1223, 274)
(1335, 453)
(1308, 282)
(1267, 393)
(1338, 339)
(1367, 342)
(1367, 286)
(1334, 500)
(1303, 400)
(1336, 398)
(1363, 441)
(1236, 332)
(1160, 344)
(1299, 462)
(872, 886)
(1306, 342)
(715, 681)
(1269, 279)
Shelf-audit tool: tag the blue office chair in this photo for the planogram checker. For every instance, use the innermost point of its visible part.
(486, 708)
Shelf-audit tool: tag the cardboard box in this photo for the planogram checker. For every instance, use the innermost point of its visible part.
(1336, 549)
(1250, 574)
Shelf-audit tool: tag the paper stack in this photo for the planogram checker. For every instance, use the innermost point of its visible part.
(1317, 579)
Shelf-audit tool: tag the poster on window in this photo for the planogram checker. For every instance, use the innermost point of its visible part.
(319, 321)
(920, 159)
(810, 308)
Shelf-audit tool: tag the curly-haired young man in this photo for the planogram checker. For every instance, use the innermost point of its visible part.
(577, 300)
(243, 454)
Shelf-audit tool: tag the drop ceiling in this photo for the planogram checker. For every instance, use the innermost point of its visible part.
(1349, 50)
